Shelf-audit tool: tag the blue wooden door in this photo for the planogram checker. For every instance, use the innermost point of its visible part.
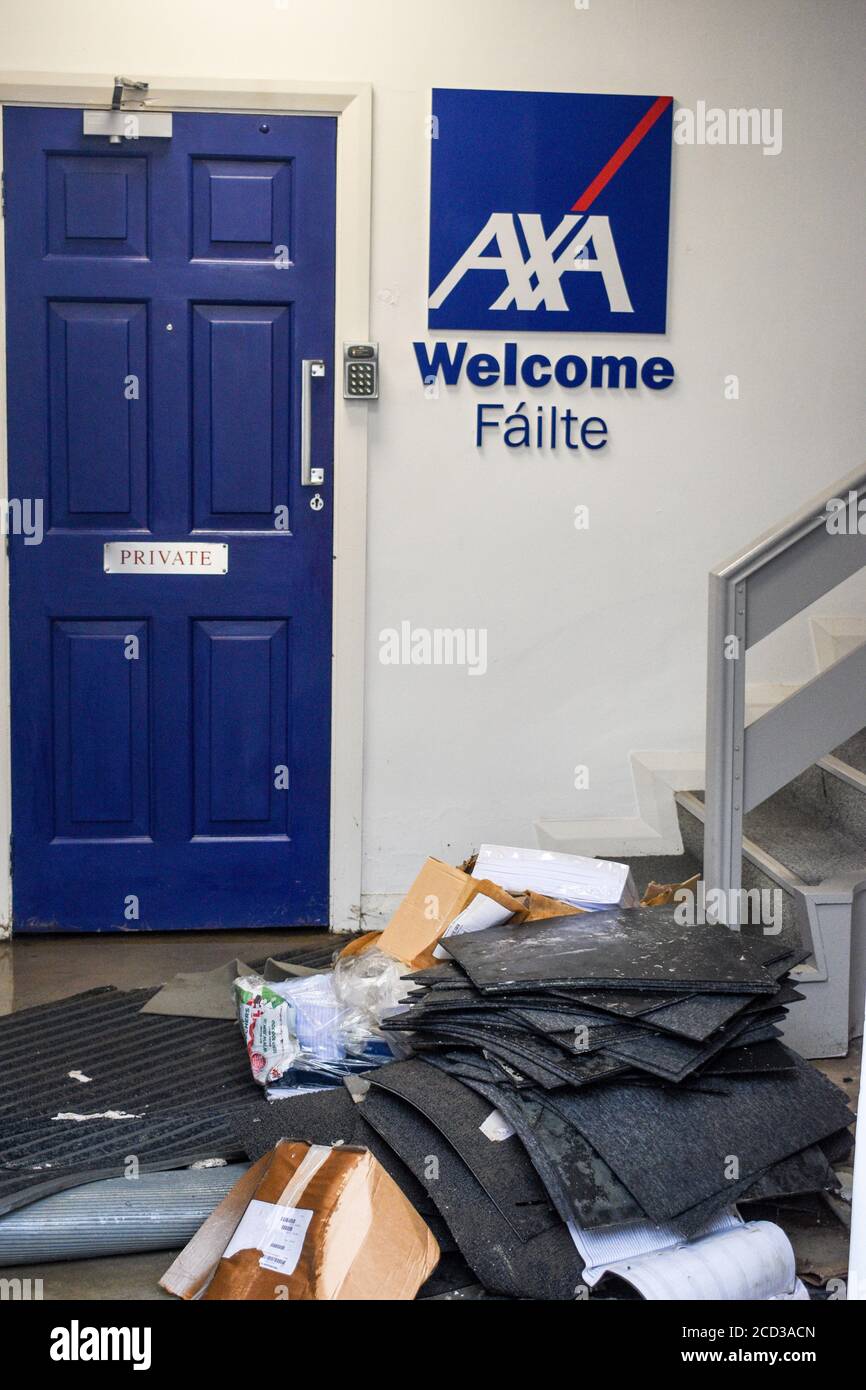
(170, 727)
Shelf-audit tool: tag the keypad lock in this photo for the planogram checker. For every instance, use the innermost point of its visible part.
(361, 371)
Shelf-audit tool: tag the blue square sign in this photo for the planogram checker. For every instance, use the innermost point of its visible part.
(549, 211)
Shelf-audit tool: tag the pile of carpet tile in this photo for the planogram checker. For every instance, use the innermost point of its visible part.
(634, 1068)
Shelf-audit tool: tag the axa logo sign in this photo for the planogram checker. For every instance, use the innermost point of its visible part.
(511, 247)
(578, 243)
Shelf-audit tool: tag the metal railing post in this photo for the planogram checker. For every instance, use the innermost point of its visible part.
(726, 701)
(750, 596)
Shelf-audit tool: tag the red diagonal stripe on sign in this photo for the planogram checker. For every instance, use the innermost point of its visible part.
(616, 161)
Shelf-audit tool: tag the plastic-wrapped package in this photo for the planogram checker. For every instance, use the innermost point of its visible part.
(318, 1017)
(304, 1029)
(268, 1025)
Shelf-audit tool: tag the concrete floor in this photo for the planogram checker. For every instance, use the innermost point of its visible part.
(36, 970)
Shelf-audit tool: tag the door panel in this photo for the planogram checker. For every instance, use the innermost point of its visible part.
(98, 446)
(171, 733)
(101, 752)
(96, 205)
(242, 210)
(241, 718)
(241, 420)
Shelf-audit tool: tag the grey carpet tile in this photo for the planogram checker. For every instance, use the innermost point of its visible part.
(550, 1066)
(501, 1166)
(616, 949)
(582, 1187)
(546, 1267)
(757, 1057)
(698, 1017)
(806, 1171)
(674, 1058)
(672, 1149)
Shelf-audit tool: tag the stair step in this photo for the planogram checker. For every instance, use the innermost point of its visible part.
(691, 828)
(752, 876)
(853, 752)
(834, 794)
(805, 834)
(662, 868)
(813, 846)
(811, 835)
(845, 789)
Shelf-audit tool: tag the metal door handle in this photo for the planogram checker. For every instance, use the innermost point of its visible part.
(310, 367)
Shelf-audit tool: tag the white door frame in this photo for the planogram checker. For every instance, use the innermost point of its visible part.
(351, 104)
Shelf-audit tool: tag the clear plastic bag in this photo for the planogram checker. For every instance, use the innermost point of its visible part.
(308, 1026)
(373, 983)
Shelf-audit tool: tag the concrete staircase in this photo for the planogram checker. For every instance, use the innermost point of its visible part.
(809, 842)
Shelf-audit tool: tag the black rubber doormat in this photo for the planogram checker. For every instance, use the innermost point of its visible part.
(89, 1082)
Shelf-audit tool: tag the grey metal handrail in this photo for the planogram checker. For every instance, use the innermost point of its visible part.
(752, 594)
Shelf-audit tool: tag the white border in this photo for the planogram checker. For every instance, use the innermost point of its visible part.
(351, 103)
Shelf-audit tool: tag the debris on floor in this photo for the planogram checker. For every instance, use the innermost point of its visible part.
(208, 993)
(637, 1064)
(309, 1222)
(318, 1029)
(439, 899)
(561, 1087)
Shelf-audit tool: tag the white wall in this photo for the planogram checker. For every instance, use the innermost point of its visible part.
(596, 639)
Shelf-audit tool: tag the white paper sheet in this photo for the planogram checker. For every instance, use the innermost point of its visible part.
(481, 913)
(594, 884)
(496, 1127)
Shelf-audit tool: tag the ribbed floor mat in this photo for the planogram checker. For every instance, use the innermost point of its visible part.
(172, 1084)
(102, 1149)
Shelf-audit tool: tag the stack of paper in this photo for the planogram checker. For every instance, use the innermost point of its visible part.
(593, 884)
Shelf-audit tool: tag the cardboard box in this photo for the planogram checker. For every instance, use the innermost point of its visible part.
(311, 1222)
(438, 895)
